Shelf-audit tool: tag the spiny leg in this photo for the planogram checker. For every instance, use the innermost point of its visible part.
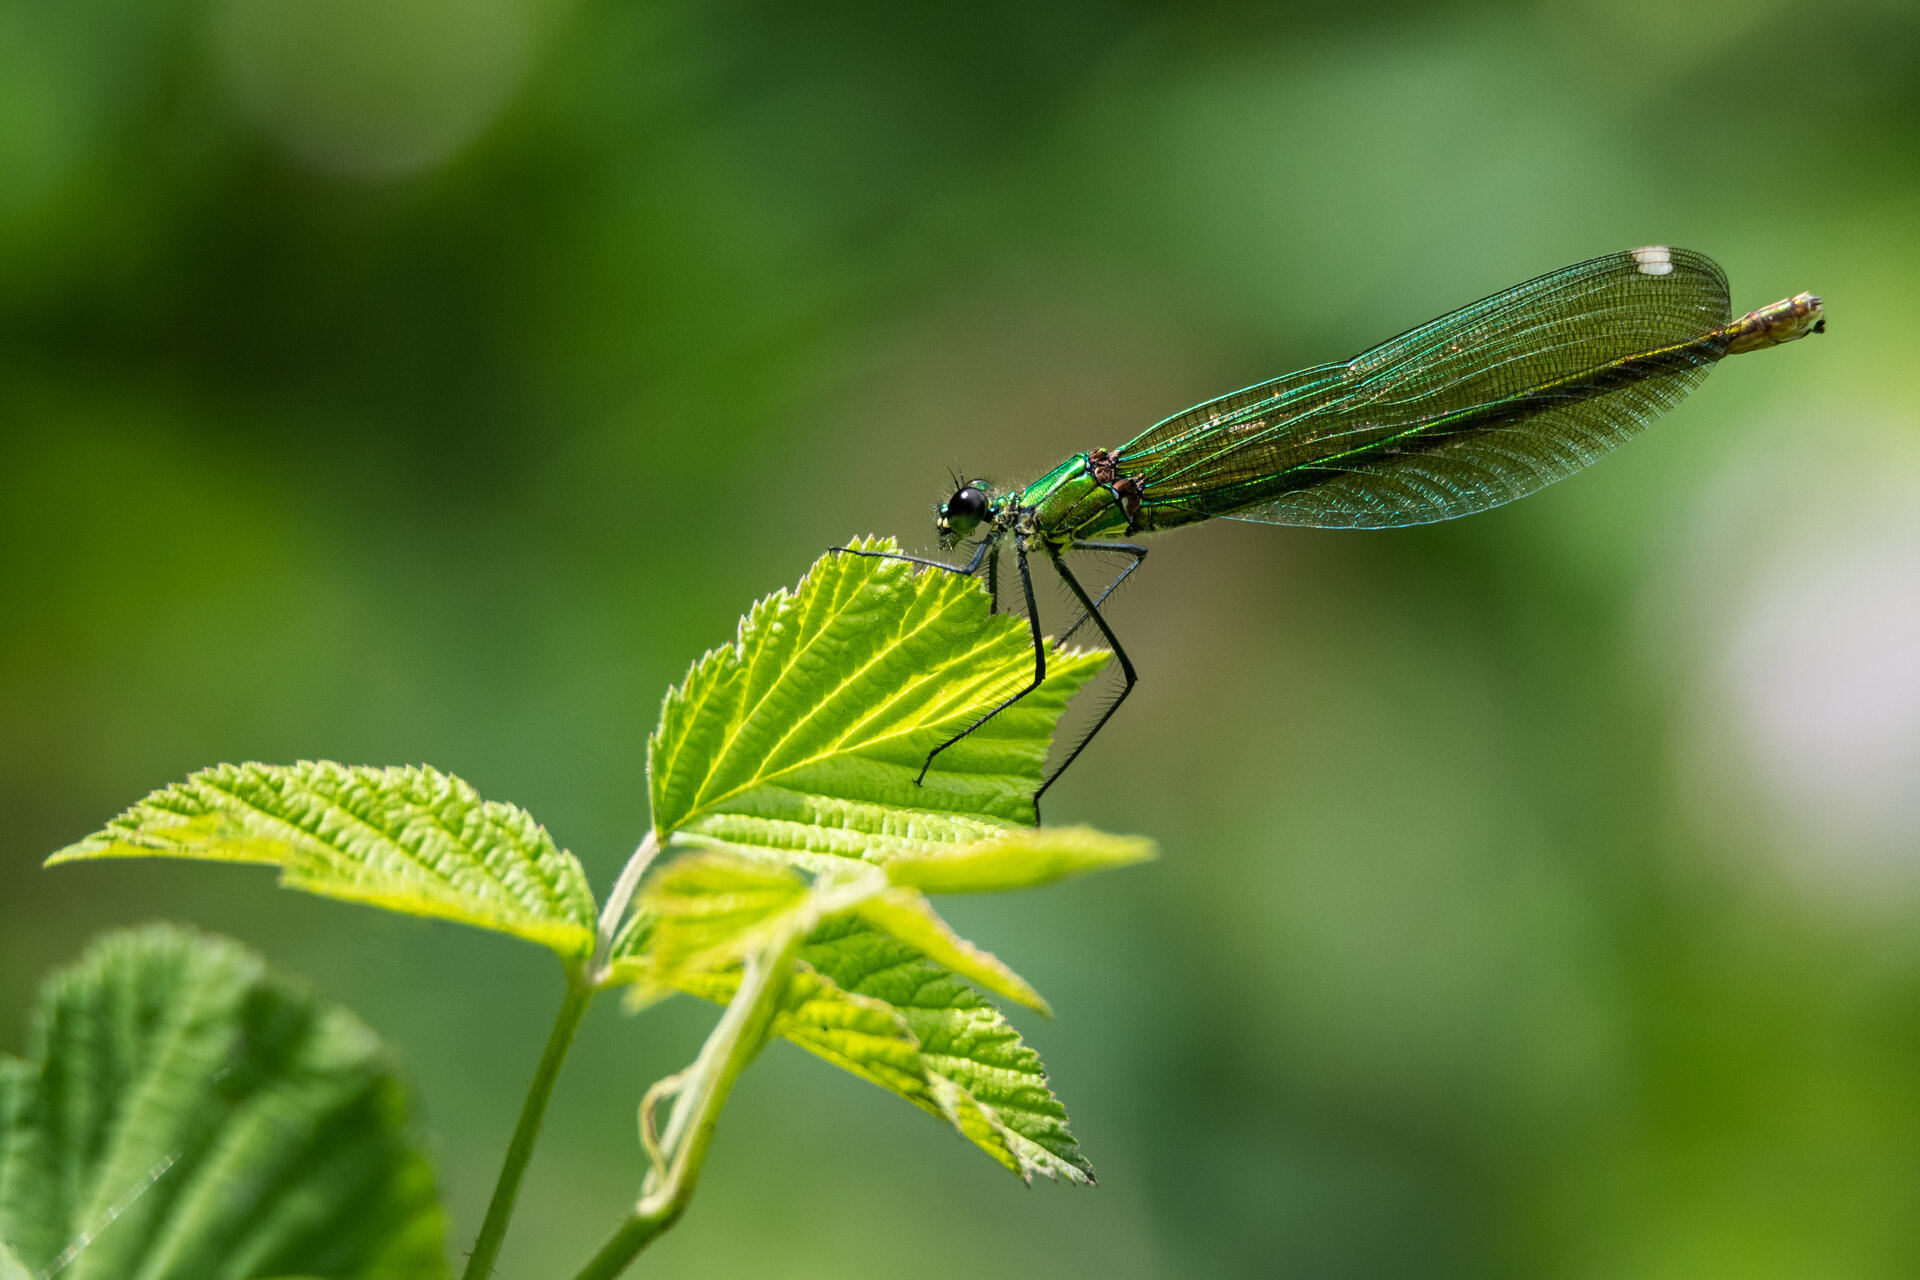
(1039, 662)
(993, 581)
(968, 569)
(1138, 553)
(1126, 671)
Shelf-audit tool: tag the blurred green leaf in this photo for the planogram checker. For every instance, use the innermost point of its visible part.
(221, 1122)
(407, 839)
(11, 1268)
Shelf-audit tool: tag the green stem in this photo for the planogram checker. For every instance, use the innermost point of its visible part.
(614, 914)
(486, 1246)
(741, 1032)
(635, 1234)
(581, 988)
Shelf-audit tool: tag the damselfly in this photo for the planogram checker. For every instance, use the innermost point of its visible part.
(1482, 406)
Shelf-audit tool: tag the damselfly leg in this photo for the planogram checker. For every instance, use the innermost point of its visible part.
(1092, 608)
(968, 569)
(1039, 660)
(1134, 550)
(985, 552)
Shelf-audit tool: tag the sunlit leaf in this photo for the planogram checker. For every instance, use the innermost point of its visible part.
(1017, 860)
(980, 1078)
(407, 839)
(705, 912)
(708, 910)
(188, 1116)
(963, 1038)
(907, 917)
(807, 733)
(797, 748)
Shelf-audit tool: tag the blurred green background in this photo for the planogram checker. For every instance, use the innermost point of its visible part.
(432, 380)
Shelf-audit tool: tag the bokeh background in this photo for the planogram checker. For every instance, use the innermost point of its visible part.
(432, 380)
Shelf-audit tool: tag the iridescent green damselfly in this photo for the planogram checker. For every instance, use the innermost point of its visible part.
(1482, 406)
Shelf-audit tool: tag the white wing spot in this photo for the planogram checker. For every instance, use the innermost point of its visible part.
(1655, 259)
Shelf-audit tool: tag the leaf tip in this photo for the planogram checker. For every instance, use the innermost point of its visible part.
(91, 847)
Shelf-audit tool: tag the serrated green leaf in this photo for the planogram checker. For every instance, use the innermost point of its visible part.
(190, 1117)
(709, 909)
(408, 839)
(978, 1076)
(1017, 860)
(807, 733)
(798, 746)
(904, 915)
(870, 1038)
(963, 1039)
(874, 1039)
(696, 904)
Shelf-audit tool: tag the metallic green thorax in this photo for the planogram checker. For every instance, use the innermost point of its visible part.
(1068, 503)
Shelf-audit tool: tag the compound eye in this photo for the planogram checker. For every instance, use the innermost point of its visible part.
(968, 504)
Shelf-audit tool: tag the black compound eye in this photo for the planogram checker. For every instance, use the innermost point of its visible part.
(968, 504)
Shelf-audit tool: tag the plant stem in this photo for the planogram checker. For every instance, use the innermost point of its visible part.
(741, 1032)
(486, 1246)
(635, 1234)
(614, 914)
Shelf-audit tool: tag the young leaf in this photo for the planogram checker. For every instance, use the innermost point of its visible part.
(1017, 860)
(807, 733)
(963, 1037)
(875, 1039)
(708, 910)
(697, 905)
(408, 839)
(705, 912)
(188, 1116)
(907, 917)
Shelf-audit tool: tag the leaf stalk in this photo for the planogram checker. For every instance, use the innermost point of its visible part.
(702, 1091)
(615, 911)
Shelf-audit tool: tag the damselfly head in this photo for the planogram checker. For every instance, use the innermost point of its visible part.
(961, 514)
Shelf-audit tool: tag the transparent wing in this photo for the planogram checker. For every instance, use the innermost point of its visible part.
(1477, 408)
